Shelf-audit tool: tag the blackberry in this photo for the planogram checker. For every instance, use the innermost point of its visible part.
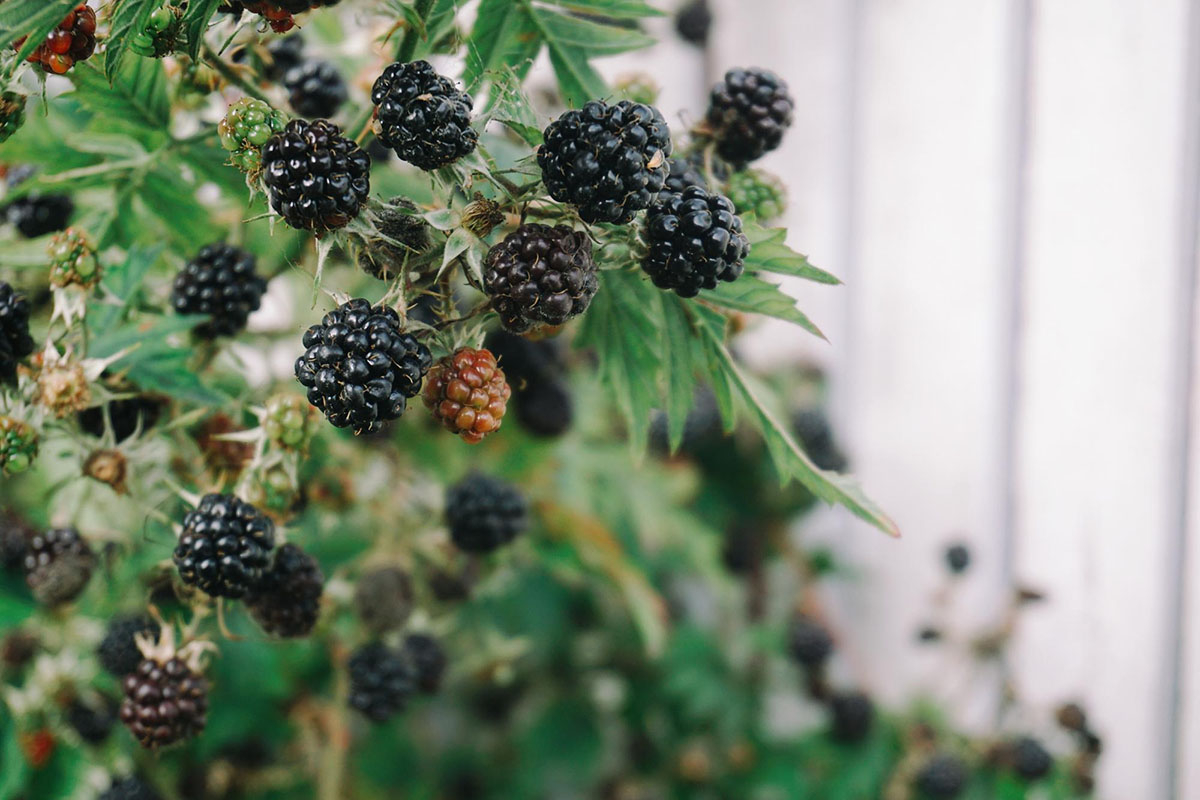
(360, 367)
(73, 40)
(286, 53)
(278, 13)
(287, 601)
(943, 777)
(12, 114)
(701, 426)
(73, 260)
(161, 33)
(92, 721)
(15, 534)
(468, 393)
(18, 446)
(15, 340)
(540, 275)
(748, 113)
(929, 635)
(1030, 760)
(810, 644)
(403, 234)
(609, 161)
(484, 513)
(220, 283)
(692, 22)
(316, 179)
(315, 89)
(759, 193)
(383, 598)
(224, 547)
(694, 240)
(38, 214)
(289, 422)
(958, 558)
(422, 116)
(1072, 717)
(243, 131)
(526, 361)
(58, 566)
(381, 681)
(851, 716)
(428, 661)
(166, 701)
(744, 547)
(816, 436)
(118, 651)
(544, 408)
(130, 788)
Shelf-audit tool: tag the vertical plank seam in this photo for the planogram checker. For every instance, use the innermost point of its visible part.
(847, 204)
(1181, 423)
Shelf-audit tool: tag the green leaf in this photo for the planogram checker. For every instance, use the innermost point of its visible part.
(195, 22)
(136, 102)
(33, 19)
(122, 282)
(154, 361)
(509, 106)
(681, 383)
(173, 201)
(504, 38)
(618, 9)
(577, 80)
(770, 253)
(570, 33)
(130, 18)
(753, 295)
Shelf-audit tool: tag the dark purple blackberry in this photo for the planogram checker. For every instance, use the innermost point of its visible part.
(1030, 760)
(692, 22)
(540, 275)
(544, 408)
(484, 513)
(694, 239)
(609, 161)
(126, 415)
(958, 558)
(225, 546)
(220, 283)
(428, 660)
(130, 788)
(360, 368)
(809, 642)
(316, 179)
(93, 720)
(422, 116)
(943, 777)
(165, 702)
(58, 566)
(15, 340)
(851, 716)
(381, 681)
(383, 598)
(118, 651)
(315, 89)
(15, 534)
(287, 601)
(816, 436)
(748, 113)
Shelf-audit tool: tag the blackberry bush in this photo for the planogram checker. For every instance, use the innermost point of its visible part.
(468, 394)
(221, 284)
(225, 546)
(316, 179)
(694, 240)
(540, 275)
(748, 113)
(484, 513)
(421, 115)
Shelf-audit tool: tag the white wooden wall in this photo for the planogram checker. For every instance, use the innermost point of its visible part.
(1010, 190)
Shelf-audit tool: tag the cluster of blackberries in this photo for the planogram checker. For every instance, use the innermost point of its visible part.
(222, 284)
(422, 116)
(484, 513)
(536, 372)
(540, 275)
(15, 340)
(316, 179)
(73, 40)
(383, 679)
(360, 367)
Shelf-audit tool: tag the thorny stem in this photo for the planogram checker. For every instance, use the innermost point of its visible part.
(474, 312)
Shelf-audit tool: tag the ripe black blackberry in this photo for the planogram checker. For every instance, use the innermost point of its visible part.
(36, 214)
(428, 660)
(484, 513)
(544, 408)
(816, 436)
(381, 681)
(609, 161)
(526, 361)
(118, 651)
(126, 415)
(315, 89)
(58, 565)
(166, 701)
(130, 788)
(316, 179)
(383, 599)
(225, 546)
(958, 558)
(748, 113)
(943, 777)
(1030, 761)
(692, 22)
(694, 240)
(810, 643)
(685, 173)
(540, 275)
(851, 716)
(360, 368)
(422, 116)
(286, 52)
(287, 601)
(221, 283)
(94, 719)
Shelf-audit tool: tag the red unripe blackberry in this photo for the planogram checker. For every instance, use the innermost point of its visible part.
(166, 701)
(130, 788)
(316, 179)
(422, 116)
(484, 513)
(748, 113)
(540, 275)
(58, 566)
(381, 681)
(428, 660)
(694, 240)
(810, 643)
(315, 89)
(73, 40)
(383, 598)
(851, 716)
(467, 393)
(15, 340)
(609, 161)
(224, 547)
(220, 283)
(943, 777)
(118, 652)
(287, 601)
(359, 367)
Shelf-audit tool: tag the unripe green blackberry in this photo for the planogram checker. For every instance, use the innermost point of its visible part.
(73, 260)
(58, 566)
(246, 127)
(18, 446)
(290, 422)
(160, 35)
(759, 193)
(383, 599)
(272, 488)
(12, 114)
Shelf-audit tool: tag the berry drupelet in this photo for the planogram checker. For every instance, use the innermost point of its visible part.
(484, 513)
(287, 601)
(15, 340)
(540, 275)
(694, 239)
(58, 565)
(609, 161)
(359, 367)
(315, 89)
(468, 393)
(72, 41)
(118, 651)
(316, 179)
(222, 284)
(381, 681)
(225, 546)
(748, 113)
(422, 116)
